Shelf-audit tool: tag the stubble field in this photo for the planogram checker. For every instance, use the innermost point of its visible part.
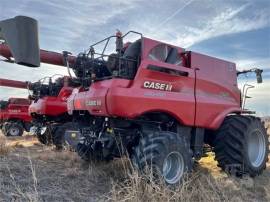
(30, 171)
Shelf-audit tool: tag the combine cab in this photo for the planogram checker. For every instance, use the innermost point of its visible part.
(14, 117)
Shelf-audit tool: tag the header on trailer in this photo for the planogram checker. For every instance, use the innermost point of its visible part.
(21, 35)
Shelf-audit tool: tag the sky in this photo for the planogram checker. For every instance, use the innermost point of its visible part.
(234, 30)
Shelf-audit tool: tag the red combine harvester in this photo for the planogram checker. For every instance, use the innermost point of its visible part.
(49, 108)
(161, 106)
(14, 117)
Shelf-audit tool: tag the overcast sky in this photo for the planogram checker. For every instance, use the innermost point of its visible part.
(235, 30)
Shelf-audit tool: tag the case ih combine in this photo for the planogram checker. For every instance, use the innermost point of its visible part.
(14, 117)
(160, 105)
(49, 109)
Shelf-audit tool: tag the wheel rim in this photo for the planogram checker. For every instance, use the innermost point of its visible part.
(14, 131)
(173, 167)
(256, 148)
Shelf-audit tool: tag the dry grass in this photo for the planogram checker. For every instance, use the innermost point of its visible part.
(32, 172)
(4, 148)
(201, 185)
(198, 187)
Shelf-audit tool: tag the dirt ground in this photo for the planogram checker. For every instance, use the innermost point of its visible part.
(30, 171)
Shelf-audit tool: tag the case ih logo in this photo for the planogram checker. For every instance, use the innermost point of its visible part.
(14, 110)
(157, 86)
(93, 103)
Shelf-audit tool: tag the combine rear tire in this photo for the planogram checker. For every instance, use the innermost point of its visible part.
(14, 129)
(241, 146)
(166, 155)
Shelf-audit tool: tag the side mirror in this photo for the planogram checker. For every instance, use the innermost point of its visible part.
(21, 35)
(258, 73)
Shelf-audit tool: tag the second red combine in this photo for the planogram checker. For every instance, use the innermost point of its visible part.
(14, 117)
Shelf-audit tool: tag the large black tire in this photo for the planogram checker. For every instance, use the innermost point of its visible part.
(167, 155)
(14, 129)
(241, 145)
(46, 137)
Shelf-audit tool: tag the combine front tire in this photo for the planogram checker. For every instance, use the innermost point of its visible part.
(14, 129)
(166, 155)
(241, 146)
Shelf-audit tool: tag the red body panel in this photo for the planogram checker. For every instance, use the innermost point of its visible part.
(217, 93)
(51, 106)
(16, 110)
(202, 95)
(136, 100)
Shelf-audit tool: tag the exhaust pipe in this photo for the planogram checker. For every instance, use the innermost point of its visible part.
(21, 35)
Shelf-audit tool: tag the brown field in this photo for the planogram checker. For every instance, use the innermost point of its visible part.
(32, 172)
